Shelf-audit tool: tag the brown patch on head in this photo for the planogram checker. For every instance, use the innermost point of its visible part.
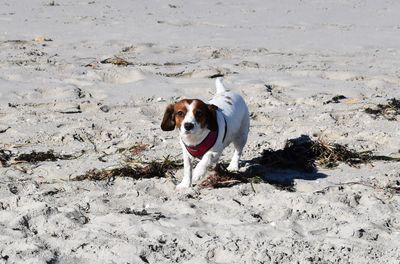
(200, 112)
(174, 115)
(180, 110)
(168, 122)
(205, 114)
(212, 123)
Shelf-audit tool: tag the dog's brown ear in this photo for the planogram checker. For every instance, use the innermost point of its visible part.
(212, 117)
(168, 122)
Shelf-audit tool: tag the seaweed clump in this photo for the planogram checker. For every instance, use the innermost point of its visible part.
(49, 155)
(5, 156)
(222, 178)
(389, 110)
(116, 61)
(336, 99)
(138, 170)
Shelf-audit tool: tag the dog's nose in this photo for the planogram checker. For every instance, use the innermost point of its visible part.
(188, 126)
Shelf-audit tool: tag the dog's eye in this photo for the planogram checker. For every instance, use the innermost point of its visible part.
(180, 113)
(199, 114)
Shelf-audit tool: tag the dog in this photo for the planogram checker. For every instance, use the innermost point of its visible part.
(206, 129)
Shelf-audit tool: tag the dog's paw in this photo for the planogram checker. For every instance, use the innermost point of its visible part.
(195, 179)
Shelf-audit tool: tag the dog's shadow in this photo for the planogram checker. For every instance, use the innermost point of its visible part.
(280, 178)
(297, 160)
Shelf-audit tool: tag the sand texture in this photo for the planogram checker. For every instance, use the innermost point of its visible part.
(83, 87)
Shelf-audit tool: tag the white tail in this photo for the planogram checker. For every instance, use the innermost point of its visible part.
(220, 85)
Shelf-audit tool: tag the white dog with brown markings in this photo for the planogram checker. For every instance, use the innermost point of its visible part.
(206, 129)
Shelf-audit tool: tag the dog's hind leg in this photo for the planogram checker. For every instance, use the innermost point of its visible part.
(238, 144)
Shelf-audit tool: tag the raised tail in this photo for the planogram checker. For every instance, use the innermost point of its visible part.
(220, 85)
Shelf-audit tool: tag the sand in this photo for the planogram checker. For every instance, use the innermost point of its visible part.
(288, 59)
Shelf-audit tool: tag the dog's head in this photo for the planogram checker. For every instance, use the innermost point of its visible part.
(190, 116)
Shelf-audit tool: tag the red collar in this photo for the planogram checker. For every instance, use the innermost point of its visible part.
(207, 143)
(199, 150)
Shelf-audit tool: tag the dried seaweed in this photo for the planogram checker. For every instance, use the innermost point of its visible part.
(305, 154)
(116, 61)
(389, 110)
(49, 155)
(222, 178)
(137, 171)
(394, 187)
(132, 152)
(5, 156)
(175, 74)
(142, 212)
(336, 99)
(138, 148)
(154, 216)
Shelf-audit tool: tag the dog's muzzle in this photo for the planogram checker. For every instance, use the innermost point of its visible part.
(188, 126)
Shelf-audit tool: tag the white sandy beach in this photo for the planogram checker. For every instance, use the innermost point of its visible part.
(287, 59)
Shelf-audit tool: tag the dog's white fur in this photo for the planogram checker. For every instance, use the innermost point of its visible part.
(232, 108)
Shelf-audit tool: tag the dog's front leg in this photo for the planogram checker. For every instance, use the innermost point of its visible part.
(209, 159)
(187, 172)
